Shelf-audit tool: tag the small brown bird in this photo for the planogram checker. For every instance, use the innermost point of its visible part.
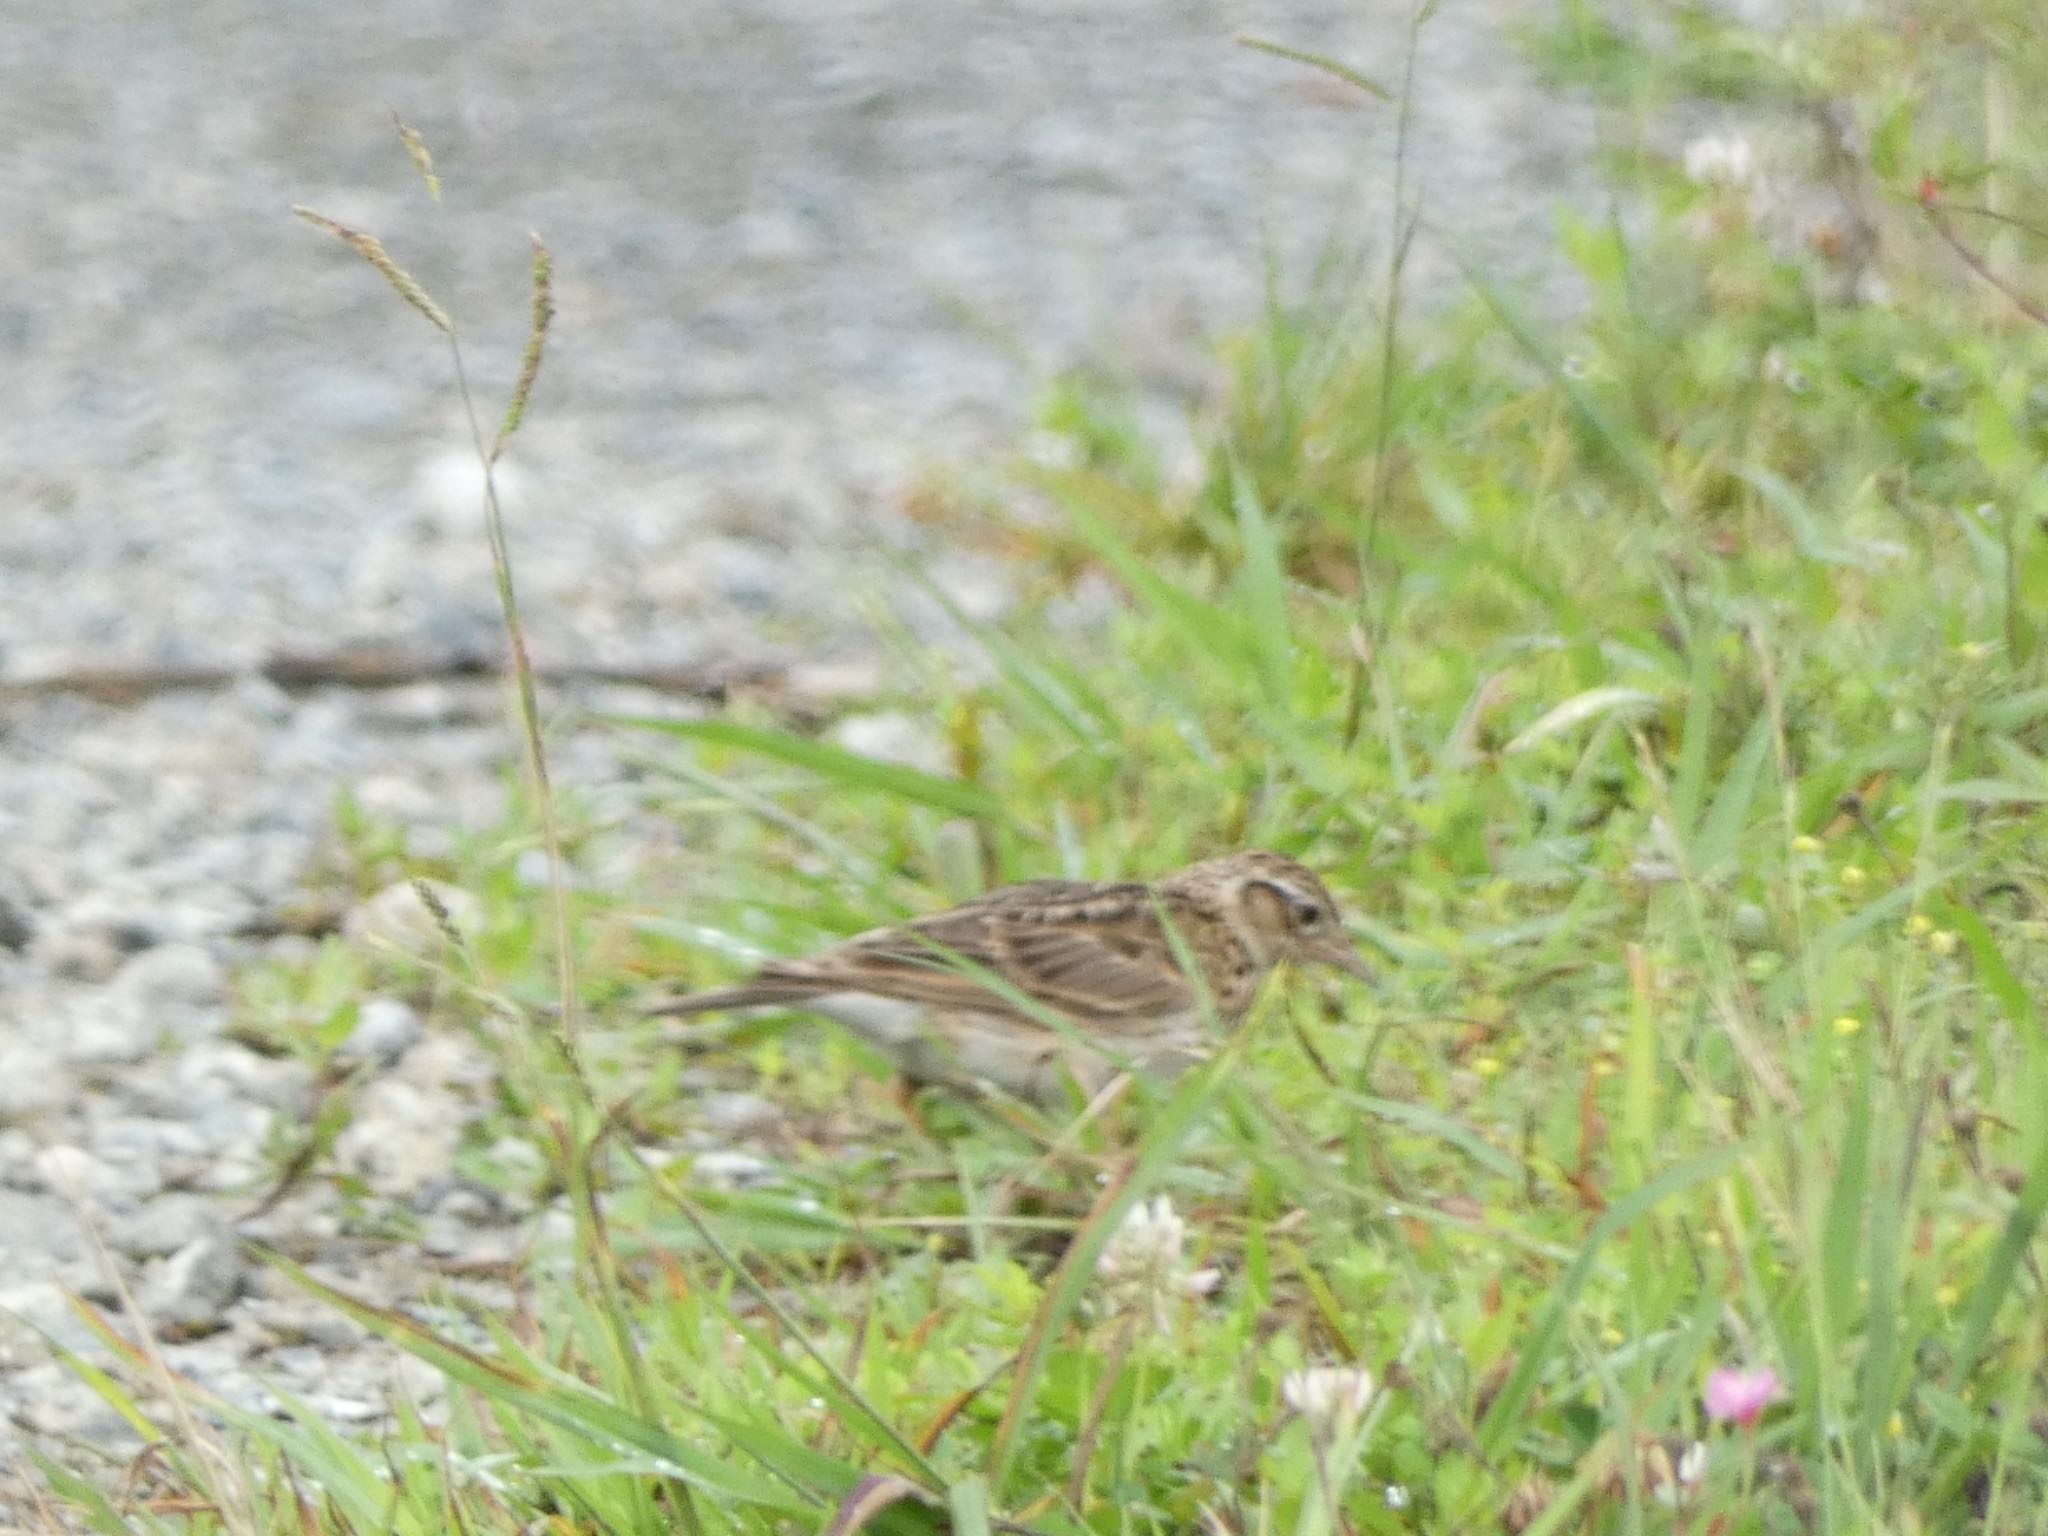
(963, 996)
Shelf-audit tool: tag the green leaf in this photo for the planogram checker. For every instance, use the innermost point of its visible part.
(2013, 999)
(1721, 830)
(1892, 140)
(1809, 532)
(1996, 1281)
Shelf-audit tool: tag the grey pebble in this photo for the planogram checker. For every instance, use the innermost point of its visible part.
(221, 1070)
(33, 1081)
(111, 1031)
(402, 1137)
(183, 974)
(194, 1286)
(734, 1114)
(385, 1029)
(72, 1173)
(346, 1410)
(16, 927)
(17, 1158)
(449, 1237)
(733, 1170)
(302, 1320)
(163, 1226)
(60, 1245)
(466, 1203)
(34, 1311)
(51, 1401)
(90, 952)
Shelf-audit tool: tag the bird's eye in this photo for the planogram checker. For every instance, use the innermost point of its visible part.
(1308, 917)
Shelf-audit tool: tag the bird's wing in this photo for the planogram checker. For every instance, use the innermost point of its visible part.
(1099, 960)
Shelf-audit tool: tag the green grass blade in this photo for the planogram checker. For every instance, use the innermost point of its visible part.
(1622, 447)
(1721, 829)
(1503, 1417)
(1996, 1281)
(1424, 1121)
(968, 1502)
(1593, 704)
(1689, 783)
(1210, 628)
(849, 770)
(1264, 585)
(88, 1499)
(567, 1404)
(1842, 1258)
(1167, 1129)
(1323, 62)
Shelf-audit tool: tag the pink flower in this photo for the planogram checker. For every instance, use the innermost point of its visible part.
(1735, 1396)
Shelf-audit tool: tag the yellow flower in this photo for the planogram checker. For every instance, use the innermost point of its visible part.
(1806, 842)
(1847, 1024)
(1896, 1425)
(1919, 925)
(1946, 1296)
(1853, 877)
(1487, 1066)
(1942, 941)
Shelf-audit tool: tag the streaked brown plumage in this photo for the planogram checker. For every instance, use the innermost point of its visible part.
(945, 996)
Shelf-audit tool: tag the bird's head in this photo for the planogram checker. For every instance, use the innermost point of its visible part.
(1280, 908)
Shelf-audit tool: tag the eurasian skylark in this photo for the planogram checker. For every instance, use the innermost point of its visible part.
(966, 996)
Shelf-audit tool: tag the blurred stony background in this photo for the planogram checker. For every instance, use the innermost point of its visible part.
(805, 254)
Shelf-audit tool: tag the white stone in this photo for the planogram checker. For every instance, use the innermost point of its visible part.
(385, 1029)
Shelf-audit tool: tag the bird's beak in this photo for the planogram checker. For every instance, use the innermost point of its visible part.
(1340, 953)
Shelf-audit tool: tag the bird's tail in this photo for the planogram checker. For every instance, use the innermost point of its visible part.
(747, 994)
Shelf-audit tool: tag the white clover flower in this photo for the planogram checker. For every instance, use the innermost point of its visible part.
(1150, 1238)
(1685, 1478)
(1692, 1466)
(1396, 1495)
(1332, 1398)
(1144, 1265)
(1720, 160)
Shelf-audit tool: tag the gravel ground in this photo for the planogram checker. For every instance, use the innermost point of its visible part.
(805, 252)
